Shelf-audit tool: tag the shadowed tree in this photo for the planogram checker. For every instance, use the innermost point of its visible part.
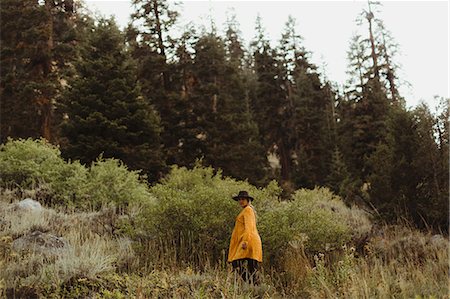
(37, 42)
(105, 109)
(227, 135)
(153, 49)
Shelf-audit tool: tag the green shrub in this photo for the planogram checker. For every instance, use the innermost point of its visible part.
(29, 164)
(194, 210)
(195, 207)
(316, 217)
(110, 181)
(37, 164)
(357, 220)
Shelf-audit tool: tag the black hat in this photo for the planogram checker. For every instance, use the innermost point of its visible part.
(242, 194)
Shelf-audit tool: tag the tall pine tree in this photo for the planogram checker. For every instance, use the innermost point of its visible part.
(106, 112)
(308, 112)
(37, 42)
(153, 50)
(227, 135)
(266, 98)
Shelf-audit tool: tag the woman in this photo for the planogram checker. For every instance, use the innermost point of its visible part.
(245, 250)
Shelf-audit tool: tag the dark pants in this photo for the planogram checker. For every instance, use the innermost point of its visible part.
(247, 269)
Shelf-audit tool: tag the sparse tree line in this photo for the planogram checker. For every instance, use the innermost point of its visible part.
(152, 101)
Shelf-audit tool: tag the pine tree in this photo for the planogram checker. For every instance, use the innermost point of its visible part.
(152, 48)
(339, 176)
(431, 163)
(363, 126)
(246, 127)
(266, 98)
(157, 18)
(105, 109)
(227, 135)
(306, 112)
(233, 43)
(393, 177)
(374, 56)
(388, 48)
(358, 69)
(369, 17)
(179, 138)
(408, 178)
(37, 39)
(365, 108)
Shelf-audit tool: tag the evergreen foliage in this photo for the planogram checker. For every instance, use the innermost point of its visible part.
(106, 113)
(227, 133)
(37, 39)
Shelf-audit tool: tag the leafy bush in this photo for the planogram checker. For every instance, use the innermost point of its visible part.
(31, 163)
(301, 220)
(110, 181)
(356, 220)
(195, 207)
(37, 164)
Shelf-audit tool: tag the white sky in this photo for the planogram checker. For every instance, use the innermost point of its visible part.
(421, 28)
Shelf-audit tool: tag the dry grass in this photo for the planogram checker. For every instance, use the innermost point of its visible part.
(87, 255)
(404, 263)
(400, 262)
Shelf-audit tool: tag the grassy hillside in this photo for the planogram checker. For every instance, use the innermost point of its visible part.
(104, 232)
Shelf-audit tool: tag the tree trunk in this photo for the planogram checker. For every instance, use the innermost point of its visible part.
(46, 101)
(390, 74)
(160, 42)
(369, 17)
(285, 161)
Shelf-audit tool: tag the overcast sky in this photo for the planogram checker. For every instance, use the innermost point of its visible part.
(420, 27)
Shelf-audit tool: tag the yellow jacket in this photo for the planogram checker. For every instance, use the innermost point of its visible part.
(245, 232)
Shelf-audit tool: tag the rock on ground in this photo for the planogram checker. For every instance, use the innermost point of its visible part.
(29, 204)
(40, 243)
